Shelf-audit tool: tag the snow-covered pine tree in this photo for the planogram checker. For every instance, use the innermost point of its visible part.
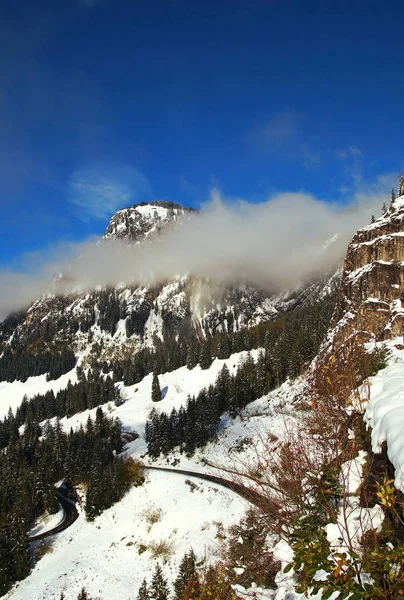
(143, 593)
(152, 432)
(159, 587)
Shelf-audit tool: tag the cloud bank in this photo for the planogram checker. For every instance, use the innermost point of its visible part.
(276, 245)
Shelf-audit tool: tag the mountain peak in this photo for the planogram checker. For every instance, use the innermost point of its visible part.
(141, 220)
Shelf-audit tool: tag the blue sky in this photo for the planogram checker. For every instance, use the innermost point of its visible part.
(104, 103)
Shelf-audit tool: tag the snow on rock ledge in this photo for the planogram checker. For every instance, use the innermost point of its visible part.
(385, 414)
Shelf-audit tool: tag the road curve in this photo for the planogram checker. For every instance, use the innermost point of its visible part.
(248, 494)
(70, 514)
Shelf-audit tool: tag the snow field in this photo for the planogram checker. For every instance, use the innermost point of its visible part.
(112, 555)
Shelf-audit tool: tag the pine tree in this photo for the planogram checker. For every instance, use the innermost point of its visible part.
(205, 359)
(223, 389)
(400, 187)
(156, 390)
(187, 582)
(152, 434)
(192, 354)
(373, 219)
(143, 593)
(159, 587)
(393, 197)
(223, 349)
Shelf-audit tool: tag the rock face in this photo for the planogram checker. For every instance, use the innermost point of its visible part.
(143, 220)
(373, 281)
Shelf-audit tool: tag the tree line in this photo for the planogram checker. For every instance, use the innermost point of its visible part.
(90, 391)
(288, 346)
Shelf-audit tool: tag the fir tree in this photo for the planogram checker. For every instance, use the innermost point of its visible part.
(222, 389)
(144, 592)
(223, 349)
(393, 197)
(156, 390)
(205, 359)
(159, 587)
(192, 354)
(187, 581)
(400, 187)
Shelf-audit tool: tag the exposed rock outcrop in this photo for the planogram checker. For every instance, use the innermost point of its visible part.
(373, 282)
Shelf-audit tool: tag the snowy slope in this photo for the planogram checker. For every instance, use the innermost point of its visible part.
(109, 556)
(106, 556)
(112, 555)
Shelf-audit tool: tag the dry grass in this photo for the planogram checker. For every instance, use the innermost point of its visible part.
(162, 549)
(152, 515)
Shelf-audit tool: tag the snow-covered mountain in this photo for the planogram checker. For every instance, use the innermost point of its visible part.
(126, 318)
(286, 442)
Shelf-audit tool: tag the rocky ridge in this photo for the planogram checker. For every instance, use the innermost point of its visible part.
(141, 221)
(372, 282)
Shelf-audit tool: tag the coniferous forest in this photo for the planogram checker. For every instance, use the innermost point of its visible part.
(35, 461)
(37, 452)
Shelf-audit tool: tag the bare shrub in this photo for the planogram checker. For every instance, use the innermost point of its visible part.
(152, 515)
(134, 471)
(246, 551)
(162, 549)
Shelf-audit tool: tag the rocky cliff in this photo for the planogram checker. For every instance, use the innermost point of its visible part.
(373, 281)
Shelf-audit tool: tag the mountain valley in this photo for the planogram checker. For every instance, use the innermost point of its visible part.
(267, 391)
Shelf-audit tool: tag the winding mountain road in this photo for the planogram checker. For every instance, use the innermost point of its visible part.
(70, 514)
(248, 494)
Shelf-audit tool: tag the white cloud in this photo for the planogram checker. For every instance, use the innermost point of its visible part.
(276, 245)
(351, 160)
(99, 190)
